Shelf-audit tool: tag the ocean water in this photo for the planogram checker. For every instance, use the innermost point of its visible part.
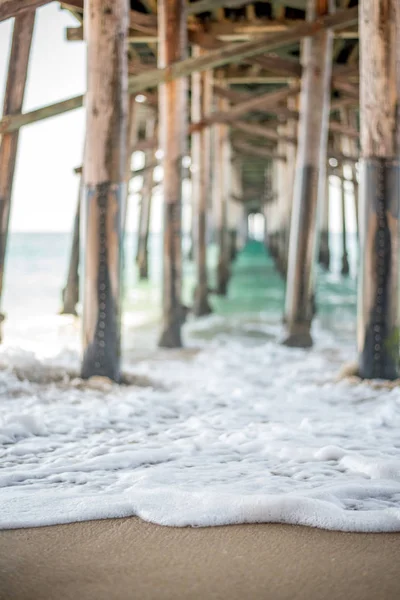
(37, 267)
(234, 428)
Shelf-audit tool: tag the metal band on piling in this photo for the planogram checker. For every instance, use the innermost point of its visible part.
(379, 318)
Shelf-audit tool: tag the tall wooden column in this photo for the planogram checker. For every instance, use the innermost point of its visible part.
(236, 210)
(291, 153)
(281, 178)
(345, 270)
(201, 97)
(70, 294)
(324, 256)
(312, 140)
(172, 31)
(378, 294)
(145, 205)
(220, 198)
(13, 100)
(104, 197)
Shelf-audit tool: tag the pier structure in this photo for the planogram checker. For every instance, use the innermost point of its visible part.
(269, 99)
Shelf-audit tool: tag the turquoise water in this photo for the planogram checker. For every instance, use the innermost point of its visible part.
(37, 266)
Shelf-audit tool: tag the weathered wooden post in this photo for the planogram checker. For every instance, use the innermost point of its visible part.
(269, 206)
(13, 100)
(172, 31)
(145, 205)
(220, 198)
(355, 200)
(345, 270)
(201, 104)
(324, 257)
(281, 182)
(291, 152)
(311, 151)
(70, 294)
(104, 198)
(236, 211)
(349, 146)
(378, 293)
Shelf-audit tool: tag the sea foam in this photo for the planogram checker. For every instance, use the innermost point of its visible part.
(242, 431)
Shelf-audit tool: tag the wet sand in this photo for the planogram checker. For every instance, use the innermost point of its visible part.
(124, 559)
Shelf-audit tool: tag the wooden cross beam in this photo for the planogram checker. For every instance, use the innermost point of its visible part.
(14, 8)
(262, 130)
(238, 52)
(258, 151)
(260, 102)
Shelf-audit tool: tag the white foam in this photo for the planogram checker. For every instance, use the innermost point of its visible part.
(241, 432)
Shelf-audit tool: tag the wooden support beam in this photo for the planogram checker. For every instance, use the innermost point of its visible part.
(310, 163)
(210, 5)
(236, 210)
(238, 52)
(145, 205)
(259, 102)
(13, 100)
(16, 8)
(345, 269)
(201, 105)
(271, 62)
(173, 130)
(281, 181)
(76, 34)
(10, 123)
(324, 253)
(106, 25)
(291, 153)
(378, 293)
(221, 193)
(265, 131)
(257, 151)
(70, 294)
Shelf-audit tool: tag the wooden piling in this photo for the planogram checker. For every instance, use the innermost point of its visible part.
(145, 206)
(324, 256)
(13, 100)
(220, 198)
(345, 269)
(378, 292)
(172, 48)
(281, 182)
(312, 136)
(201, 104)
(104, 198)
(70, 294)
(236, 212)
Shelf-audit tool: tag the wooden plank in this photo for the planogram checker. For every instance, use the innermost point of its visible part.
(13, 100)
(15, 8)
(173, 131)
(104, 198)
(237, 52)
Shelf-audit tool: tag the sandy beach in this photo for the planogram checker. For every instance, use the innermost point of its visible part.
(122, 559)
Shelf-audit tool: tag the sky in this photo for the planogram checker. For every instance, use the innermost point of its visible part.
(45, 188)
